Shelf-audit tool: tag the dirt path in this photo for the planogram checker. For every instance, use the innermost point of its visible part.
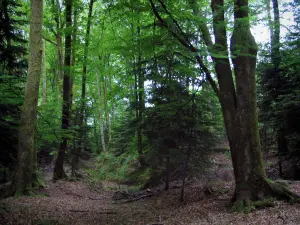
(79, 203)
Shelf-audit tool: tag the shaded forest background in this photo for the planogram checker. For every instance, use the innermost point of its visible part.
(117, 84)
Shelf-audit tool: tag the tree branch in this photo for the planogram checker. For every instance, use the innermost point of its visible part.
(52, 42)
(185, 42)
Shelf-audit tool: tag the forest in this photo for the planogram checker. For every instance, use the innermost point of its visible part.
(149, 112)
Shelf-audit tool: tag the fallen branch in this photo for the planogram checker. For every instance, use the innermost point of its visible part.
(136, 199)
(86, 211)
(99, 198)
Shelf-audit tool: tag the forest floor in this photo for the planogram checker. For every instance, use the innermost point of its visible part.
(83, 203)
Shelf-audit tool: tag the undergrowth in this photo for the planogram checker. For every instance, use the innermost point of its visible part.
(121, 169)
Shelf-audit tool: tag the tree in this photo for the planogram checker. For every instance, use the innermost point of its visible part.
(278, 108)
(238, 100)
(58, 169)
(26, 150)
(83, 92)
(12, 73)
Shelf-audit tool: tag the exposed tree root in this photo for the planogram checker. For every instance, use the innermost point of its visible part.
(247, 200)
(281, 190)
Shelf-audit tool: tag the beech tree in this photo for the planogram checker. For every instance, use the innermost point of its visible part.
(23, 179)
(237, 98)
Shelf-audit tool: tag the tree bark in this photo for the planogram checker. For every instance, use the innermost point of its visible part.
(44, 74)
(250, 176)
(270, 23)
(59, 169)
(24, 169)
(80, 148)
(57, 12)
(275, 38)
(101, 120)
(141, 101)
(238, 104)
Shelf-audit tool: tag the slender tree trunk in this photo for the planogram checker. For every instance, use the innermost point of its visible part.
(80, 148)
(44, 74)
(26, 158)
(106, 110)
(59, 168)
(141, 101)
(60, 57)
(276, 60)
(270, 22)
(101, 113)
(73, 54)
(96, 135)
(59, 43)
(275, 38)
(73, 62)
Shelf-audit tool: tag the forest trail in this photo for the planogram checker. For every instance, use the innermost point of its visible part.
(83, 203)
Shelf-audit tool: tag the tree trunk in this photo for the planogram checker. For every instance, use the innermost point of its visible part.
(26, 158)
(101, 120)
(96, 136)
(57, 11)
(75, 157)
(44, 74)
(238, 105)
(270, 23)
(75, 153)
(141, 101)
(60, 57)
(250, 176)
(59, 169)
(275, 38)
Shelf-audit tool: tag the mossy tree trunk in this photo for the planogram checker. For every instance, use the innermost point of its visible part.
(238, 101)
(26, 153)
(246, 154)
(58, 169)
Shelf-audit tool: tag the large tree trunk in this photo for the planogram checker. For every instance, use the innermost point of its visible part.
(24, 170)
(238, 105)
(58, 169)
(250, 177)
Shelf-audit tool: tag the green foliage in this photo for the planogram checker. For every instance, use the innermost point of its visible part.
(279, 100)
(112, 168)
(12, 71)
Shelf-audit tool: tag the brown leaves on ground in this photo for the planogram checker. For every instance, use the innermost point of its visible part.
(75, 203)
(78, 203)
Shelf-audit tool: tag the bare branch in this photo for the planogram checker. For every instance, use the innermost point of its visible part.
(52, 42)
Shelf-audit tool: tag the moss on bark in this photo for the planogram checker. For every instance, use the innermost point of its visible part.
(265, 197)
